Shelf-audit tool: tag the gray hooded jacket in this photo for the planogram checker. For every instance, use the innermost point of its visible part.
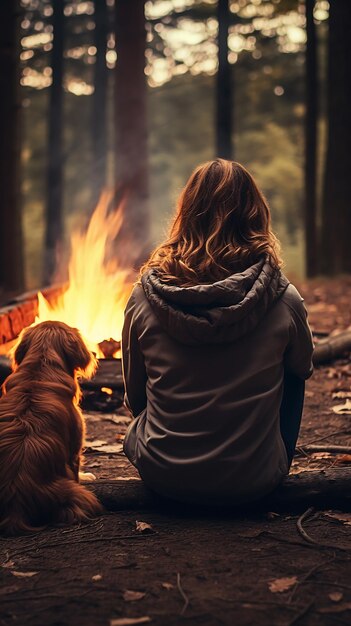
(203, 369)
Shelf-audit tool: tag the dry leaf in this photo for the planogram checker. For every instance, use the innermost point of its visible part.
(343, 458)
(87, 477)
(143, 527)
(336, 608)
(343, 409)
(341, 394)
(129, 621)
(345, 518)
(168, 586)
(282, 584)
(272, 515)
(8, 564)
(96, 578)
(321, 455)
(24, 574)
(109, 449)
(336, 596)
(130, 595)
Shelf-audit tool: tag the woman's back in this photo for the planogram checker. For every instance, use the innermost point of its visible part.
(213, 359)
(210, 335)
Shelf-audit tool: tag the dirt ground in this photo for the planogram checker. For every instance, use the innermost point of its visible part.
(197, 569)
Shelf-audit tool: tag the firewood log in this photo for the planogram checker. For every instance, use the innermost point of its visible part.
(328, 489)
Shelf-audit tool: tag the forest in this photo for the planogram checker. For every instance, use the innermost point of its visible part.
(74, 121)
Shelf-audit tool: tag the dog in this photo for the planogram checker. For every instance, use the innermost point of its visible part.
(42, 431)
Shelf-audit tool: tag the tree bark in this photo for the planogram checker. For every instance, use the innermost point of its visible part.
(224, 122)
(336, 215)
(326, 489)
(54, 217)
(99, 113)
(11, 244)
(131, 126)
(311, 144)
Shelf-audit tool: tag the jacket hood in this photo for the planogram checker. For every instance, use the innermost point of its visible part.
(219, 312)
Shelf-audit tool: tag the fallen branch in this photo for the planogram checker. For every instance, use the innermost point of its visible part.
(309, 514)
(330, 488)
(332, 348)
(325, 448)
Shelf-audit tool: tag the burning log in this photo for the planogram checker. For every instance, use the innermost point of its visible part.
(328, 489)
(109, 347)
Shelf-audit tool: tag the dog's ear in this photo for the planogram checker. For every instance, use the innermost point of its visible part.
(21, 347)
(76, 354)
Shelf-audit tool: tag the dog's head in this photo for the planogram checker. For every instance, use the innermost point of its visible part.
(52, 342)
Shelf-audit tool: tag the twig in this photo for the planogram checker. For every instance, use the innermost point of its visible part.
(183, 594)
(324, 448)
(336, 432)
(321, 544)
(307, 576)
(303, 533)
(301, 614)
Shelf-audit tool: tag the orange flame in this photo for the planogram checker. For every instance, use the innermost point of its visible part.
(98, 290)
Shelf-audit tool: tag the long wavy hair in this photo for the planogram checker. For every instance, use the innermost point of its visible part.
(222, 225)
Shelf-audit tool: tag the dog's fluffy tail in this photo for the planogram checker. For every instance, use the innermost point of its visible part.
(78, 503)
(62, 502)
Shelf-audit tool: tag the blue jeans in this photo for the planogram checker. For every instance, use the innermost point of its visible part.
(291, 412)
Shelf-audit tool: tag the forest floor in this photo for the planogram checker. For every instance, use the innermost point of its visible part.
(197, 569)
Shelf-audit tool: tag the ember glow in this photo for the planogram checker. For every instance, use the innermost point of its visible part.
(98, 289)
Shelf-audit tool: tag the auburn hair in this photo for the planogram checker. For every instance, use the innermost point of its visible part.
(222, 225)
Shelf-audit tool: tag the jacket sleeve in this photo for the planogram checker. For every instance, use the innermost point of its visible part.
(298, 355)
(134, 371)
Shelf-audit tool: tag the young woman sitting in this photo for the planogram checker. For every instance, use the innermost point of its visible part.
(216, 348)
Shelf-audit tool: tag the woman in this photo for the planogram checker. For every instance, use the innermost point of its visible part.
(213, 336)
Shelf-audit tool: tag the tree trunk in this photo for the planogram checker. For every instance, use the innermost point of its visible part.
(311, 144)
(131, 125)
(54, 218)
(11, 245)
(327, 489)
(336, 215)
(224, 129)
(99, 117)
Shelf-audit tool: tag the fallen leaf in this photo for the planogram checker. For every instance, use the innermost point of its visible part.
(8, 564)
(96, 578)
(341, 394)
(272, 515)
(24, 574)
(345, 518)
(336, 608)
(167, 586)
(130, 595)
(282, 584)
(109, 449)
(143, 527)
(129, 621)
(343, 409)
(343, 458)
(321, 455)
(336, 596)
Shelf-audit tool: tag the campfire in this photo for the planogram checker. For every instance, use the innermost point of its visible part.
(92, 300)
(98, 287)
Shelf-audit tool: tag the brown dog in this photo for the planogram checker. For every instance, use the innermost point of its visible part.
(42, 431)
